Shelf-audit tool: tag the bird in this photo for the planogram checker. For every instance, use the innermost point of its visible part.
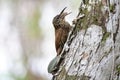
(62, 29)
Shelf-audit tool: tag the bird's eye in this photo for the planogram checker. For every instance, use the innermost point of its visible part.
(58, 16)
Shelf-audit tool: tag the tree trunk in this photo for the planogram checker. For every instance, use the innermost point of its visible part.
(92, 51)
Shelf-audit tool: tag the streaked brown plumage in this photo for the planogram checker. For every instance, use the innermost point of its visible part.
(62, 29)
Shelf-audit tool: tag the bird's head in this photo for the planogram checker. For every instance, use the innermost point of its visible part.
(60, 17)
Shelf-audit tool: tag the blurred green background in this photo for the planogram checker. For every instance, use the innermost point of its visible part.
(27, 36)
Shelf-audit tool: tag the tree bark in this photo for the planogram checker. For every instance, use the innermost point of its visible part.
(92, 51)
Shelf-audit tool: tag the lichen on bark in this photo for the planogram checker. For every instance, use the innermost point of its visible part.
(94, 44)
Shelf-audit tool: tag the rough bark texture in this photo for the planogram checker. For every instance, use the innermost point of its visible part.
(93, 47)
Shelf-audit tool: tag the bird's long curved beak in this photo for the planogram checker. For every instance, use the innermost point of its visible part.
(62, 13)
(63, 10)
